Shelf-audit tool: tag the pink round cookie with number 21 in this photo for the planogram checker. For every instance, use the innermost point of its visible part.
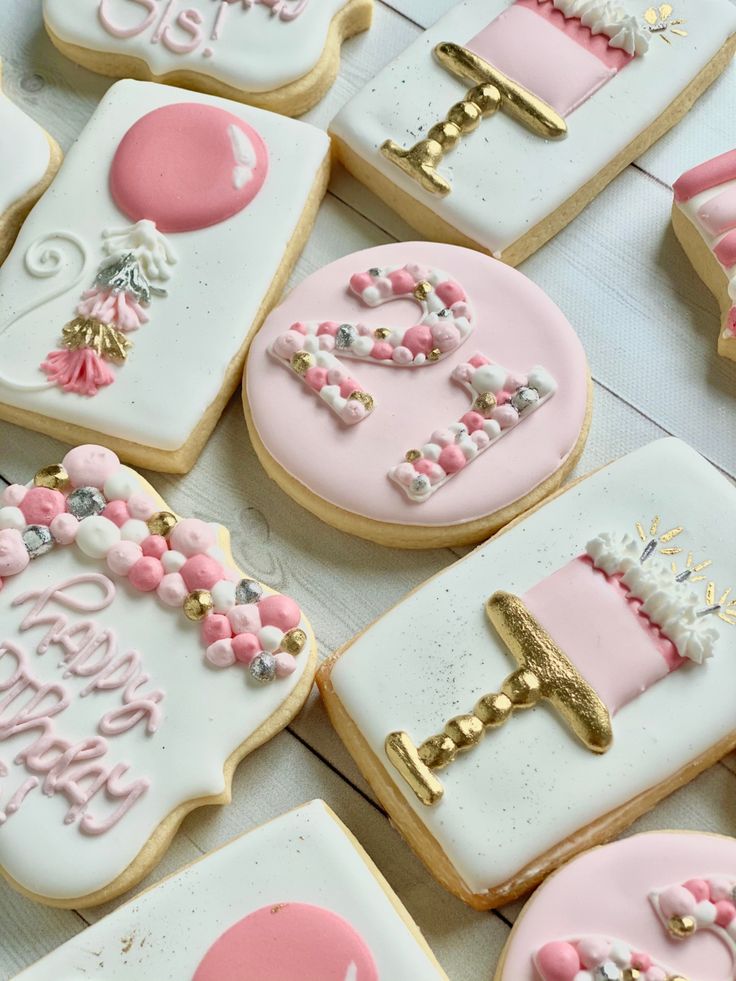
(418, 395)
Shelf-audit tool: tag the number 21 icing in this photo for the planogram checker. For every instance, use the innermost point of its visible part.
(92, 694)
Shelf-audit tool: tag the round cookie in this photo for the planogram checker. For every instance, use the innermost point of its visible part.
(656, 907)
(418, 395)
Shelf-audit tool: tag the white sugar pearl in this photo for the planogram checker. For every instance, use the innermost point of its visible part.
(270, 638)
(134, 531)
(420, 358)
(324, 359)
(463, 325)
(371, 296)
(434, 303)
(329, 393)
(121, 485)
(488, 378)
(223, 595)
(434, 277)
(491, 428)
(362, 346)
(172, 561)
(431, 451)
(96, 536)
(311, 344)
(705, 913)
(620, 953)
(12, 518)
(469, 448)
(542, 381)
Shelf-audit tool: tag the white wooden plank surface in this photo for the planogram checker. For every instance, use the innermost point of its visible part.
(649, 327)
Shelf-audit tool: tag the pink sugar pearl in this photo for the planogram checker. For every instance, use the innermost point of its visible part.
(13, 555)
(245, 618)
(360, 282)
(316, 378)
(41, 505)
(505, 415)
(285, 664)
(215, 626)
(299, 327)
(192, 536)
(327, 328)
(452, 459)
(450, 292)
(117, 512)
(246, 647)
(141, 506)
(353, 411)
(286, 345)
(558, 961)
(676, 901)
(473, 421)
(201, 572)
(593, 952)
(478, 360)
(221, 654)
(64, 528)
(348, 386)
(90, 466)
(382, 351)
(402, 355)
(171, 590)
(146, 574)
(13, 495)
(401, 281)
(122, 557)
(699, 889)
(725, 912)
(446, 337)
(279, 611)
(155, 546)
(404, 473)
(641, 961)
(418, 339)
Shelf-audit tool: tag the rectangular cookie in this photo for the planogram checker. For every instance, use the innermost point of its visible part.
(128, 301)
(610, 614)
(297, 897)
(503, 120)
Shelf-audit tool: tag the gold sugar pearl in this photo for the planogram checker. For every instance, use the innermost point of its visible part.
(465, 731)
(434, 354)
(412, 455)
(437, 751)
(293, 641)
(364, 398)
(446, 134)
(198, 604)
(681, 926)
(54, 477)
(632, 974)
(302, 362)
(422, 290)
(493, 710)
(485, 402)
(381, 333)
(162, 523)
(466, 116)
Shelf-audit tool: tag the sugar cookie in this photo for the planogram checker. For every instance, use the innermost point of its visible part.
(564, 94)
(615, 601)
(704, 219)
(296, 898)
(280, 55)
(387, 373)
(138, 666)
(129, 298)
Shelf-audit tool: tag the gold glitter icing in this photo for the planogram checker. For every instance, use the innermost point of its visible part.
(293, 641)
(302, 361)
(485, 402)
(105, 340)
(198, 604)
(364, 398)
(54, 477)
(544, 673)
(162, 523)
(381, 333)
(412, 455)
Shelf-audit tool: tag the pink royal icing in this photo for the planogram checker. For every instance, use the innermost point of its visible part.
(705, 176)
(348, 465)
(187, 166)
(285, 941)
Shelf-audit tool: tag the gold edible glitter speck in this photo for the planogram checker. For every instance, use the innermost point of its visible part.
(54, 477)
(422, 290)
(412, 455)
(381, 333)
(681, 926)
(162, 523)
(198, 604)
(364, 398)
(302, 361)
(485, 402)
(293, 641)
(434, 354)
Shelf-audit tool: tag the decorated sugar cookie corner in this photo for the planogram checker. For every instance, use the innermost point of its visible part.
(378, 382)
(543, 82)
(281, 55)
(704, 219)
(664, 889)
(110, 312)
(30, 158)
(609, 611)
(115, 616)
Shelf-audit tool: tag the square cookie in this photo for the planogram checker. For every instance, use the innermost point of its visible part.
(128, 301)
(295, 898)
(608, 614)
(503, 120)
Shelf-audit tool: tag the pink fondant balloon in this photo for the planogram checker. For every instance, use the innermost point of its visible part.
(289, 940)
(187, 166)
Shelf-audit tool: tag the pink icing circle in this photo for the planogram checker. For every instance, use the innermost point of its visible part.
(41, 505)
(117, 512)
(516, 325)
(279, 611)
(155, 545)
(13, 495)
(245, 647)
(90, 465)
(122, 557)
(141, 506)
(64, 528)
(179, 166)
(285, 664)
(289, 940)
(245, 619)
(699, 889)
(452, 459)
(146, 574)
(216, 626)
(13, 555)
(201, 572)
(192, 536)
(558, 961)
(171, 590)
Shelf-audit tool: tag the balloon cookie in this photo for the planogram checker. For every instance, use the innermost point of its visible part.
(138, 666)
(564, 94)
(590, 644)
(704, 219)
(128, 301)
(281, 55)
(655, 907)
(295, 898)
(417, 395)
(28, 162)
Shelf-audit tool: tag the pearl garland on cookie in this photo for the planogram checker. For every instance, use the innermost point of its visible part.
(91, 500)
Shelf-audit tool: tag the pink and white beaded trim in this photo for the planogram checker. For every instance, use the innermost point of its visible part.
(309, 348)
(500, 401)
(103, 510)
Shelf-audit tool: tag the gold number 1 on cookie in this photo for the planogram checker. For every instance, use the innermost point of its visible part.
(544, 673)
(493, 91)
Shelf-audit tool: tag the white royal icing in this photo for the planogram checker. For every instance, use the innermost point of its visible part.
(220, 278)
(623, 29)
(304, 856)
(25, 153)
(529, 785)
(252, 46)
(497, 197)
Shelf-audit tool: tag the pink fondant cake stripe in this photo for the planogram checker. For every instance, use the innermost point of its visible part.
(596, 44)
(719, 214)
(725, 251)
(615, 647)
(710, 174)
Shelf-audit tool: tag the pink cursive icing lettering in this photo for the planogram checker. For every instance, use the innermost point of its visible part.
(123, 32)
(189, 21)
